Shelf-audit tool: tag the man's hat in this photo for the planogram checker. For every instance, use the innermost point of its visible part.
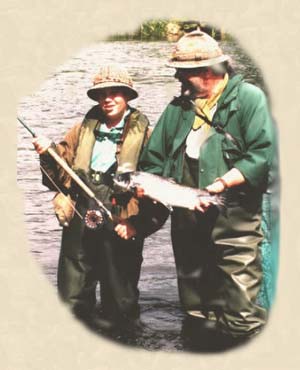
(196, 49)
(112, 76)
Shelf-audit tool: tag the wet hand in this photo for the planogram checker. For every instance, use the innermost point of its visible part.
(125, 230)
(41, 144)
(218, 186)
(202, 206)
(139, 192)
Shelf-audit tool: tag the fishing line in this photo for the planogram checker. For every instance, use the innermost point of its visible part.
(93, 218)
(60, 191)
(47, 175)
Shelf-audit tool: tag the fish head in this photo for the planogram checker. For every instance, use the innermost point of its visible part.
(125, 180)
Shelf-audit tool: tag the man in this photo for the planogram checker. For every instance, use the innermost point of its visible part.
(108, 141)
(217, 135)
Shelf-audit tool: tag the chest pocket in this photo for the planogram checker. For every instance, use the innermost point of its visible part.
(231, 151)
(233, 147)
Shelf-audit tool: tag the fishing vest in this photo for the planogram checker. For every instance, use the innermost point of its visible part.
(128, 150)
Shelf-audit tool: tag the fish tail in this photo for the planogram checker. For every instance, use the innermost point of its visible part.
(221, 203)
(228, 199)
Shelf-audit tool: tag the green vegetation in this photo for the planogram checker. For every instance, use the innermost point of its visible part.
(152, 30)
(165, 29)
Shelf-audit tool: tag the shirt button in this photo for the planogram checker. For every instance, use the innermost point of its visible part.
(201, 170)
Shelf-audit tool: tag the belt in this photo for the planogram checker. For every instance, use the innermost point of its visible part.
(98, 177)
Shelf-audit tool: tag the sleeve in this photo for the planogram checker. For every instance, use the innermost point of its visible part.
(154, 154)
(152, 215)
(66, 149)
(258, 132)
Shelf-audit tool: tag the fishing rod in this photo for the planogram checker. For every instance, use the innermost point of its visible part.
(93, 218)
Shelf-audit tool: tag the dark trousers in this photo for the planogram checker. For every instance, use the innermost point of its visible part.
(88, 257)
(218, 266)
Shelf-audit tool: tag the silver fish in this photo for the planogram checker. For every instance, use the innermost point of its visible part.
(166, 191)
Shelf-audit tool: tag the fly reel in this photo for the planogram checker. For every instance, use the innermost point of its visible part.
(94, 219)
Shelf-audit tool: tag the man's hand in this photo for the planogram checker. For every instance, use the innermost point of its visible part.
(202, 206)
(125, 230)
(41, 144)
(216, 187)
(230, 179)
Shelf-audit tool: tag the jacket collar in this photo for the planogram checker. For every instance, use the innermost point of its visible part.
(231, 90)
(229, 95)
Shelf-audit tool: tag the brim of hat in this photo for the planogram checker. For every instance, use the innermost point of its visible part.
(196, 63)
(93, 92)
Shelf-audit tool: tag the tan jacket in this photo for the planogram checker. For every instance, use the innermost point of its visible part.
(76, 149)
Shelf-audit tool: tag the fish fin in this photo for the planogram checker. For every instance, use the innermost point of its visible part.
(221, 204)
(167, 205)
(170, 208)
(222, 209)
(172, 180)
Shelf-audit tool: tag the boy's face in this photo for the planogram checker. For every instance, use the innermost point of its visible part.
(113, 102)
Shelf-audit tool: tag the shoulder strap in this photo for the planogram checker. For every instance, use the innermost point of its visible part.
(219, 128)
(128, 151)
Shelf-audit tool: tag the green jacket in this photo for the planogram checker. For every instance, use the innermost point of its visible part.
(243, 112)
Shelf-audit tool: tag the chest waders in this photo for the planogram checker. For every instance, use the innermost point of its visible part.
(219, 269)
(88, 257)
(193, 249)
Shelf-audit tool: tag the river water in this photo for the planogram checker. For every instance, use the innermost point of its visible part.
(60, 102)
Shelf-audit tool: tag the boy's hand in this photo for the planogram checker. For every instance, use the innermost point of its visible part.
(125, 230)
(41, 144)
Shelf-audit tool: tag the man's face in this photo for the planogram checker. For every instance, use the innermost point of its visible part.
(196, 82)
(113, 102)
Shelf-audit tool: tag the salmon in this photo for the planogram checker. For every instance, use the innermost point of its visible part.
(167, 191)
